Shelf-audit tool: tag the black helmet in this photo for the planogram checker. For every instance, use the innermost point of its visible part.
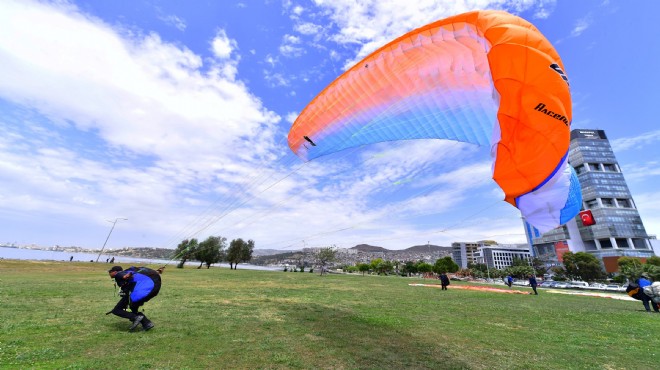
(116, 268)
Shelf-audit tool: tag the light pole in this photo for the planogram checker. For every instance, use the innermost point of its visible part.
(106, 239)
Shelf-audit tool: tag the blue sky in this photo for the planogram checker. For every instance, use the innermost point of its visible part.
(174, 115)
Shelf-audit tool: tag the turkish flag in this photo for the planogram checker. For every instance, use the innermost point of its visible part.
(587, 218)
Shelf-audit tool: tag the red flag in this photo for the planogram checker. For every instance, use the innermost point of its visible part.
(587, 218)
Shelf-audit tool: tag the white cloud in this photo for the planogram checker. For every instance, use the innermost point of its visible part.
(641, 171)
(581, 25)
(648, 205)
(174, 21)
(163, 124)
(290, 46)
(636, 142)
(372, 23)
(307, 28)
(222, 46)
(112, 123)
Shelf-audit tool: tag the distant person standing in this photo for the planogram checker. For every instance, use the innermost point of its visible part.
(532, 283)
(509, 280)
(70, 258)
(444, 281)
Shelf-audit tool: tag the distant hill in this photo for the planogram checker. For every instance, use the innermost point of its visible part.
(269, 252)
(370, 248)
(428, 248)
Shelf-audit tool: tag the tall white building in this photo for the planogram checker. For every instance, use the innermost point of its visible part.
(618, 229)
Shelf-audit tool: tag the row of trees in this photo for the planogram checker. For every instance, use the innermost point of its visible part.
(214, 250)
(408, 268)
(632, 268)
(576, 266)
(580, 266)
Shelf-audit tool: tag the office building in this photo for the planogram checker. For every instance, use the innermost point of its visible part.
(463, 253)
(618, 229)
(501, 256)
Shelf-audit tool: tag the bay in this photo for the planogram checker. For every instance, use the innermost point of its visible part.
(46, 255)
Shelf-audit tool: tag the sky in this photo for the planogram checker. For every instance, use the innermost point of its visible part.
(157, 121)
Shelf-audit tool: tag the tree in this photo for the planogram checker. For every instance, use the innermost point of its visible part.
(479, 270)
(444, 265)
(519, 262)
(409, 268)
(540, 266)
(210, 251)
(519, 272)
(655, 261)
(323, 256)
(363, 268)
(239, 251)
(632, 268)
(423, 267)
(384, 267)
(583, 266)
(374, 263)
(185, 251)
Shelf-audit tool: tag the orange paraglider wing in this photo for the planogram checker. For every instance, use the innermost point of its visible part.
(483, 77)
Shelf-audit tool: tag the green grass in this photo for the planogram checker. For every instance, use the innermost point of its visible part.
(53, 316)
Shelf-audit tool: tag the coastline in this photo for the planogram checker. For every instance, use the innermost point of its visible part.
(14, 253)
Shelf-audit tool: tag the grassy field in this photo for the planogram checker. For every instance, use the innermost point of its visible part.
(53, 316)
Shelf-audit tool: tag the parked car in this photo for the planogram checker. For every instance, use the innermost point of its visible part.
(561, 284)
(615, 287)
(521, 282)
(597, 286)
(578, 284)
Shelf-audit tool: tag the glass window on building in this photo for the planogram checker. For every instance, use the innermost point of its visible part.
(622, 243)
(624, 203)
(605, 244)
(594, 167)
(590, 245)
(592, 203)
(610, 167)
(640, 243)
(607, 202)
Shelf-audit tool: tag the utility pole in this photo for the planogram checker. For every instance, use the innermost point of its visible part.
(106, 239)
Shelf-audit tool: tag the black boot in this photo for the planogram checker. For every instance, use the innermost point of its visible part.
(147, 324)
(136, 321)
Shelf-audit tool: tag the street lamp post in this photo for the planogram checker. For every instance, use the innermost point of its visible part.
(108, 237)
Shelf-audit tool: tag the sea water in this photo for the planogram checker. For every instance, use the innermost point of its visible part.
(46, 255)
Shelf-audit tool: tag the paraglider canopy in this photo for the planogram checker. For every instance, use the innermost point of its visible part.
(483, 77)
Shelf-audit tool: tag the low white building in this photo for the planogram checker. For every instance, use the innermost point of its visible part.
(500, 256)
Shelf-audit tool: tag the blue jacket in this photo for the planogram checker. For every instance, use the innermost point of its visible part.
(144, 283)
(643, 282)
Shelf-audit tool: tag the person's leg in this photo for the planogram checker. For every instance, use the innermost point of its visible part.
(648, 303)
(120, 309)
(146, 323)
(135, 306)
(535, 292)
